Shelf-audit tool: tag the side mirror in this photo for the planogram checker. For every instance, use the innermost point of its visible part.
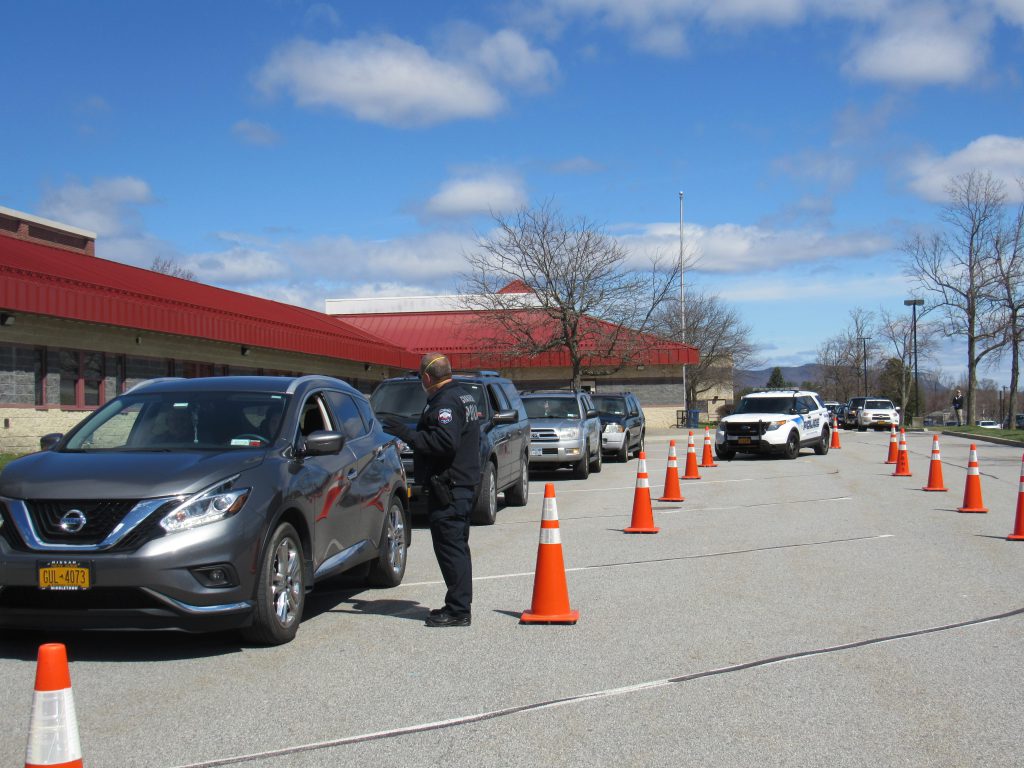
(46, 442)
(591, 413)
(505, 417)
(634, 413)
(322, 443)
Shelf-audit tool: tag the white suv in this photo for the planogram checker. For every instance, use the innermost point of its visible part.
(877, 413)
(775, 421)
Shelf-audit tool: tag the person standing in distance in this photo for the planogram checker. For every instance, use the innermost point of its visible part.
(958, 407)
(446, 463)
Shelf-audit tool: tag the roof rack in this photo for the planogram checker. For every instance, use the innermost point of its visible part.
(777, 389)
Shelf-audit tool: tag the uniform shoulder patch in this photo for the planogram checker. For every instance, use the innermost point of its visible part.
(444, 416)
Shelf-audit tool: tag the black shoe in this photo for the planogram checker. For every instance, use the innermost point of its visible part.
(437, 611)
(445, 619)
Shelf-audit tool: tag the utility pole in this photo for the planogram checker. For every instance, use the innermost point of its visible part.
(682, 305)
(914, 304)
(864, 346)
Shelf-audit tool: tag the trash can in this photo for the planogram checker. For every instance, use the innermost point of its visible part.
(692, 418)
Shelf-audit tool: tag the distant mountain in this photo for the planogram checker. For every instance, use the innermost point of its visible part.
(796, 375)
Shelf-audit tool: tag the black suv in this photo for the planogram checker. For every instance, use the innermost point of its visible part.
(504, 436)
(202, 504)
(623, 425)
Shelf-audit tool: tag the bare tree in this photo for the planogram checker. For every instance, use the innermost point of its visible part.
(955, 266)
(1008, 295)
(717, 330)
(172, 268)
(842, 358)
(582, 297)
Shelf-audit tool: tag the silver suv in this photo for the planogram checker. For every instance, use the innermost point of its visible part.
(775, 421)
(565, 430)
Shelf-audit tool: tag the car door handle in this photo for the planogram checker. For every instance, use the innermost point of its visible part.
(379, 453)
(352, 473)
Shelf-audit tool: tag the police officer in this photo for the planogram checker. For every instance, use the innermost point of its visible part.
(446, 462)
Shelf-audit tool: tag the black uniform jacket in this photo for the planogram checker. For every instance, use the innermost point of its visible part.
(447, 437)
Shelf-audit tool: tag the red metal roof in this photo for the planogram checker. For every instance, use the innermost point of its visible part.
(42, 280)
(468, 339)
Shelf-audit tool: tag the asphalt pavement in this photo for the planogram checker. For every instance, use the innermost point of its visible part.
(815, 612)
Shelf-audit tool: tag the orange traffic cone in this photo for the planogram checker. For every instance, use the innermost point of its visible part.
(691, 461)
(550, 591)
(935, 469)
(835, 434)
(672, 490)
(53, 729)
(902, 458)
(893, 448)
(1018, 527)
(707, 460)
(643, 515)
(972, 488)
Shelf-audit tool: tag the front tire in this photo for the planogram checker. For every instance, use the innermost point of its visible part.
(485, 511)
(280, 591)
(388, 569)
(822, 446)
(582, 468)
(519, 494)
(792, 448)
(725, 452)
(623, 453)
(596, 464)
(640, 445)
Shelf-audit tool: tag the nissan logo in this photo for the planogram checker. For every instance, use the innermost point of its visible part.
(73, 521)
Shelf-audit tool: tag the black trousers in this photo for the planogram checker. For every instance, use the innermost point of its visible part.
(449, 532)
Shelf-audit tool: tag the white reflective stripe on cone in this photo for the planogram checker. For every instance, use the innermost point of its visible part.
(53, 734)
(550, 511)
(550, 536)
(973, 470)
(642, 482)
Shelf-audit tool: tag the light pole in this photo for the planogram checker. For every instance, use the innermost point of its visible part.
(682, 306)
(864, 345)
(914, 304)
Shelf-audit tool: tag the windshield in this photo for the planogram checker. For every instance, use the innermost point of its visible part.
(878, 405)
(609, 405)
(406, 399)
(765, 405)
(551, 408)
(171, 421)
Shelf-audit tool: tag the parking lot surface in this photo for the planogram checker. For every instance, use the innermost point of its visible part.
(810, 612)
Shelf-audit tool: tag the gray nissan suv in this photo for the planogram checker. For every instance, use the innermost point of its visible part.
(202, 504)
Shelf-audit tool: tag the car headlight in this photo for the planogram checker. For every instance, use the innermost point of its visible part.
(617, 428)
(209, 506)
(773, 425)
(568, 433)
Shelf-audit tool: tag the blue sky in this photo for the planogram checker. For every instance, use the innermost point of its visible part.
(310, 150)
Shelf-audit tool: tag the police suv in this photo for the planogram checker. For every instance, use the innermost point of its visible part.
(775, 421)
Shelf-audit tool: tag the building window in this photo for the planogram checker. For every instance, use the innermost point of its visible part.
(79, 377)
(21, 381)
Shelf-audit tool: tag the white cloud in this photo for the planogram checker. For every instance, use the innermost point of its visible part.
(385, 79)
(481, 194)
(923, 45)
(106, 207)
(381, 79)
(252, 132)
(236, 265)
(507, 56)
(1001, 156)
(731, 248)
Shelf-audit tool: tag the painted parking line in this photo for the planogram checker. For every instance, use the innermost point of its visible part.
(700, 556)
(581, 698)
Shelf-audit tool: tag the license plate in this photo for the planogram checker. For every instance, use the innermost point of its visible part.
(744, 441)
(536, 451)
(65, 574)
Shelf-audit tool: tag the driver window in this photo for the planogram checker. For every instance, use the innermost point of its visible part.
(314, 417)
(348, 414)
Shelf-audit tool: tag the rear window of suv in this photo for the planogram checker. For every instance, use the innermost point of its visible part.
(552, 407)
